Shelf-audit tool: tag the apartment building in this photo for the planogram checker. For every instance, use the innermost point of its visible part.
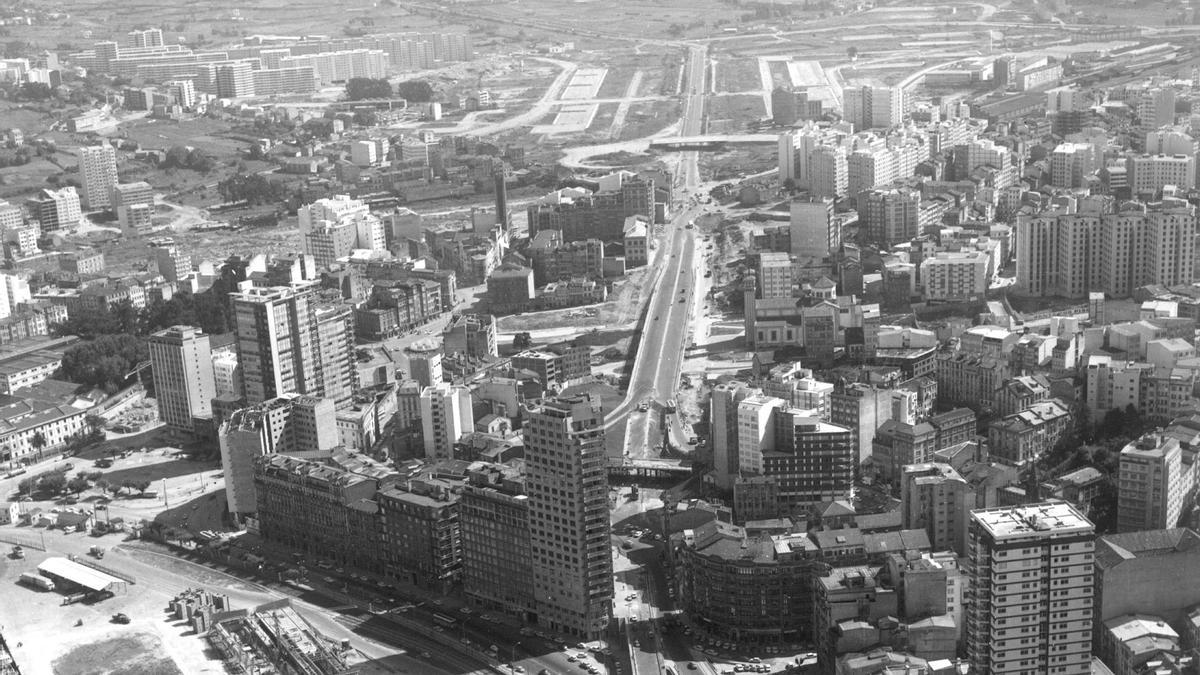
(1025, 436)
(288, 342)
(774, 275)
(1153, 484)
(318, 510)
(1072, 255)
(421, 531)
(936, 498)
(869, 107)
(53, 209)
(1030, 590)
(97, 175)
(757, 587)
(891, 216)
(566, 480)
(445, 416)
(303, 426)
(494, 524)
(1149, 174)
(555, 366)
(956, 276)
(181, 365)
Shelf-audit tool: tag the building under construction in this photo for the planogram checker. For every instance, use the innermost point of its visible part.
(274, 638)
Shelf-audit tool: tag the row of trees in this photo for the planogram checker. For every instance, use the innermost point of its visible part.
(56, 483)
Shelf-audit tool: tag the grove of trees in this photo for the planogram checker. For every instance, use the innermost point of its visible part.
(105, 362)
(359, 88)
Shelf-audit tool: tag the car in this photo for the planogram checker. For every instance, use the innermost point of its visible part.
(691, 665)
(120, 618)
(682, 300)
(755, 659)
(516, 668)
(464, 610)
(571, 658)
(631, 596)
(328, 580)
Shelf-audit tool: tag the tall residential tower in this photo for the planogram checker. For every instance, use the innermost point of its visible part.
(567, 484)
(1030, 584)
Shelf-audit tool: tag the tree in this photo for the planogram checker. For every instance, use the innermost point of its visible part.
(95, 422)
(104, 486)
(141, 486)
(53, 483)
(415, 91)
(78, 484)
(38, 441)
(522, 341)
(359, 88)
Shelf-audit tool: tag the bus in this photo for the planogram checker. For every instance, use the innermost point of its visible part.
(37, 581)
(444, 621)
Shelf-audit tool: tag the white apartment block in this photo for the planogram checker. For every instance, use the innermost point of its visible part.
(184, 386)
(774, 275)
(955, 276)
(829, 175)
(445, 416)
(754, 431)
(340, 66)
(1149, 174)
(1071, 163)
(1152, 484)
(1030, 572)
(97, 174)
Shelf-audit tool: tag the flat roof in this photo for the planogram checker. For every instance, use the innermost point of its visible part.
(1032, 520)
(72, 571)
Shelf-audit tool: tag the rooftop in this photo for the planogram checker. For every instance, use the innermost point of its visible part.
(1032, 520)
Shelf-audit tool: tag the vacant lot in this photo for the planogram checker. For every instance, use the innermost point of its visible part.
(780, 75)
(735, 75)
(129, 655)
(649, 117)
(740, 109)
(735, 162)
(616, 82)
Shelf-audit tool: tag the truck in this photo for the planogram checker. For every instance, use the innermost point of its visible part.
(18, 552)
(37, 581)
(97, 552)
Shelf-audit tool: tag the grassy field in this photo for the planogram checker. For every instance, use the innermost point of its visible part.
(17, 182)
(734, 75)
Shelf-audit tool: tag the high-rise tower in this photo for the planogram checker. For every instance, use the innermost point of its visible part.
(567, 484)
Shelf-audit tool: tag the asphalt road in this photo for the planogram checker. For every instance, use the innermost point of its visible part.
(665, 333)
